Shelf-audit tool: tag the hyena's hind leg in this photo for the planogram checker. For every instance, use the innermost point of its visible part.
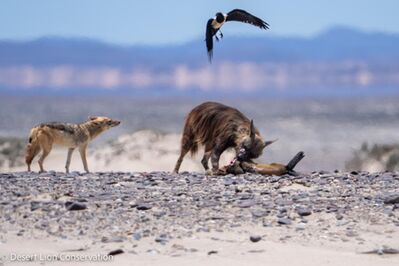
(183, 153)
(187, 144)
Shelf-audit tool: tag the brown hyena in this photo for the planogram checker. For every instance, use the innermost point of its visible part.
(218, 127)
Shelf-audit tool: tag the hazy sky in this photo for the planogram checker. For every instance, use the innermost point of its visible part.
(175, 21)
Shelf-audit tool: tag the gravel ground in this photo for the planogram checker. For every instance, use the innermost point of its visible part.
(127, 208)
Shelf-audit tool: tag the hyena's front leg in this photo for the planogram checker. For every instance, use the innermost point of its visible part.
(82, 151)
(68, 162)
(205, 158)
(216, 153)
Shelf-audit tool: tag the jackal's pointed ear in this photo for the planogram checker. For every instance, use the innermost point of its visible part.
(252, 130)
(269, 142)
(92, 117)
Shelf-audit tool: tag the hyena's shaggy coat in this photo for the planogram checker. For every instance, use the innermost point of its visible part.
(218, 127)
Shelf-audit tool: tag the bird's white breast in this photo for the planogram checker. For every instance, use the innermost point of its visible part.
(216, 25)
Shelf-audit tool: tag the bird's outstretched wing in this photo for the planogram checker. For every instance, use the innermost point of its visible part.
(209, 39)
(244, 16)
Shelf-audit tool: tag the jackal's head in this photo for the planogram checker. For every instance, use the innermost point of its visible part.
(98, 124)
(250, 146)
(104, 121)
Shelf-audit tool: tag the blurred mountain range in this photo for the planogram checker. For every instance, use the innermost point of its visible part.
(340, 61)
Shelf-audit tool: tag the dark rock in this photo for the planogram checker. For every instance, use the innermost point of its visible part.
(339, 216)
(284, 221)
(304, 211)
(143, 207)
(281, 215)
(115, 252)
(246, 203)
(259, 213)
(34, 205)
(212, 252)
(255, 238)
(75, 206)
(116, 239)
(393, 199)
(163, 239)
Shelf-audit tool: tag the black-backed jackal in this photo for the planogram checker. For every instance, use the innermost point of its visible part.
(44, 136)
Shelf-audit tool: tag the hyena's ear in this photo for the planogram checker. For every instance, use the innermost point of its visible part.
(92, 117)
(252, 131)
(269, 142)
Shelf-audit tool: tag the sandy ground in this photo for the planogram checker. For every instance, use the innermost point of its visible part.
(206, 220)
(232, 249)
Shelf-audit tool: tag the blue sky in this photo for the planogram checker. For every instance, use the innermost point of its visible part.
(177, 21)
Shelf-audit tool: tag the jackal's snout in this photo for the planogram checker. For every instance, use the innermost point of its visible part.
(108, 123)
(104, 121)
(115, 123)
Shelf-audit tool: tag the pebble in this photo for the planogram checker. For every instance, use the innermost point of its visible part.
(392, 199)
(255, 238)
(115, 252)
(259, 213)
(284, 221)
(75, 206)
(304, 211)
(339, 216)
(162, 239)
(143, 207)
(115, 239)
(246, 203)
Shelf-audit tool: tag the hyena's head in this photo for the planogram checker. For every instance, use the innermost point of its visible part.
(250, 144)
(103, 123)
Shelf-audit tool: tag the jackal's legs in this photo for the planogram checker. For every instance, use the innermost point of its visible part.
(68, 162)
(46, 151)
(32, 151)
(82, 150)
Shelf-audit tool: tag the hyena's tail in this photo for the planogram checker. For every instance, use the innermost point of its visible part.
(294, 161)
(33, 147)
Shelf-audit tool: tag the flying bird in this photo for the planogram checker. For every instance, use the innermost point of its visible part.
(215, 24)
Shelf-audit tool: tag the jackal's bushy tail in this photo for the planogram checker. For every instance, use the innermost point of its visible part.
(294, 161)
(33, 147)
